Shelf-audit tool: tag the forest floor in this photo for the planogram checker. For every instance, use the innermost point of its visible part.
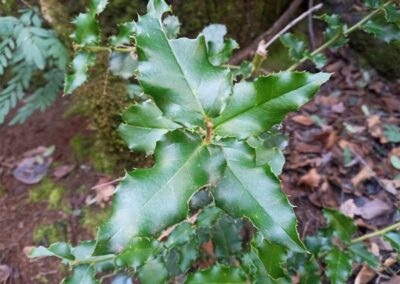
(340, 155)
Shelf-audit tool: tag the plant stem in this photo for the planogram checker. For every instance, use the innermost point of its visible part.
(376, 233)
(345, 34)
(98, 48)
(93, 260)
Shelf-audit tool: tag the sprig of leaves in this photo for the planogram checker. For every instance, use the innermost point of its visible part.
(203, 130)
(25, 48)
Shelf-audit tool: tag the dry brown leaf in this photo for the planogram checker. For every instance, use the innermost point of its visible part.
(311, 179)
(375, 128)
(365, 275)
(348, 208)
(62, 171)
(338, 108)
(363, 175)
(391, 185)
(104, 190)
(372, 209)
(303, 120)
(5, 273)
(308, 148)
(393, 280)
(27, 250)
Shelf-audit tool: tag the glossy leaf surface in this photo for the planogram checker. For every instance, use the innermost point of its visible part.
(254, 192)
(256, 106)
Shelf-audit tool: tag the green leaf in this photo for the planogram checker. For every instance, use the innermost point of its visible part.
(319, 60)
(87, 30)
(174, 77)
(394, 239)
(267, 155)
(296, 47)
(97, 6)
(273, 256)
(388, 32)
(339, 224)
(171, 26)
(144, 127)
(82, 274)
(219, 49)
(149, 200)
(372, 3)
(392, 132)
(138, 253)
(255, 268)
(123, 65)
(363, 255)
(339, 266)
(181, 235)
(60, 250)
(392, 14)
(124, 35)
(254, 192)
(226, 237)
(335, 28)
(217, 274)
(154, 271)
(256, 106)
(311, 273)
(395, 162)
(80, 66)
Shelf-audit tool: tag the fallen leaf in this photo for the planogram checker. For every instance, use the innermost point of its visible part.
(338, 108)
(308, 148)
(375, 128)
(62, 171)
(31, 171)
(348, 208)
(5, 273)
(363, 175)
(395, 162)
(311, 179)
(303, 120)
(27, 250)
(365, 275)
(104, 190)
(393, 280)
(372, 209)
(391, 185)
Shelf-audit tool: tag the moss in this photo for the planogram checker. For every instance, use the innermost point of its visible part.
(6, 7)
(50, 233)
(81, 146)
(93, 218)
(103, 103)
(50, 192)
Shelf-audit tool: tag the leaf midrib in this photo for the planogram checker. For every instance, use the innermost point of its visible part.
(181, 69)
(251, 194)
(194, 154)
(256, 105)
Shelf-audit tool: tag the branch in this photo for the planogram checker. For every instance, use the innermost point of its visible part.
(345, 34)
(292, 24)
(262, 49)
(377, 233)
(276, 27)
